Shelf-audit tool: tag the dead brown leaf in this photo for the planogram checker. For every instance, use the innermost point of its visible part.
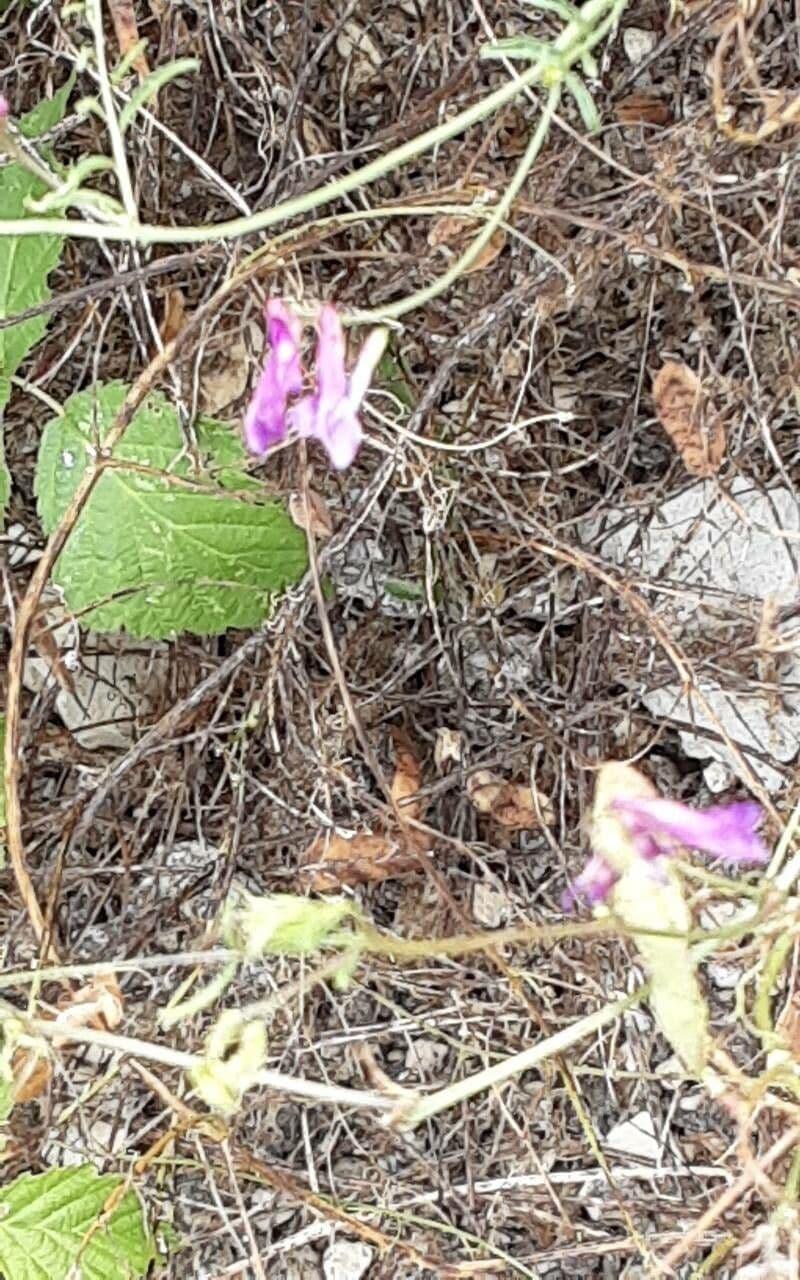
(448, 228)
(315, 139)
(511, 804)
(458, 231)
(321, 522)
(335, 860)
(355, 45)
(642, 108)
(99, 1004)
(174, 315)
(226, 377)
(407, 780)
(690, 421)
(127, 33)
(32, 1073)
(359, 859)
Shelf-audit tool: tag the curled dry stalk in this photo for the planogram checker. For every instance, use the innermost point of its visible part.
(777, 114)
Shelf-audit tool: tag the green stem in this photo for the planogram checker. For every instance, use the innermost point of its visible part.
(235, 228)
(466, 943)
(596, 19)
(793, 1179)
(121, 169)
(66, 972)
(768, 980)
(495, 218)
(497, 1074)
(294, 1086)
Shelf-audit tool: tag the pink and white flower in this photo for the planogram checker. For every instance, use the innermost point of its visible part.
(659, 828)
(330, 412)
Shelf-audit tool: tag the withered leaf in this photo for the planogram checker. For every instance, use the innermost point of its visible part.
(458, 231)
(174, 315)
(226, 375)
(642, 108)
(98, 1004)
(334, 860)
(407, 780)
(32, 1073)
(690, 421)
(448, 748)
(360, 859)
(321, 522)
(127, 33)
(511, 804)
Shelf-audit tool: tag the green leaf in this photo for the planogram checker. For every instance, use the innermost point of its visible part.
(647, 900)
(392, 378)
(45, 1220)
(283, 923)
(406, 591)
(47, 113)
(153, 84)
(584, 101)
(25, 264)
(6, 1102)
(148, 554)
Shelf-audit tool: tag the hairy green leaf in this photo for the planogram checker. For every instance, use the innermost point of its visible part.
(526, 47)
(644, 900)
(152, 85)
(45, 1225)
(392, 378)
(6, 1103)
(47, 113)
(159, 547)
(283, 923)
(25, 264)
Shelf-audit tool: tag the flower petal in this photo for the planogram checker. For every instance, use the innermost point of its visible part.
(340, 432)
(331, 378)
(593, 885)
(281, 377)
(331, 414)
(724, 831)
(368, 358)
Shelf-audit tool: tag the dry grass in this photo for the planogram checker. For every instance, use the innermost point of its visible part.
(649, 241)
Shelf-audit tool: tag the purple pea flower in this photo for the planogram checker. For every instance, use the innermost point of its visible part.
(5, 110)
(658, 828)
(726, 831)
(282, 377)
(330, 413)
(593, 885)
